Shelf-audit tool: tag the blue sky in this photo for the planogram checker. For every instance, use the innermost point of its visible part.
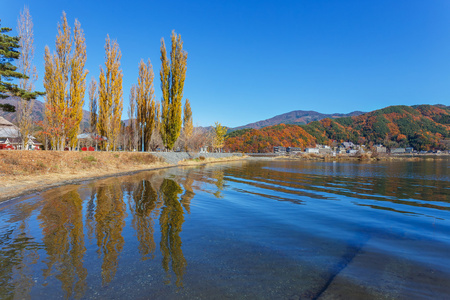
(251, 60)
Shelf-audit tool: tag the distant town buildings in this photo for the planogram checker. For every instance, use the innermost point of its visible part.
(380, 148)
(398, 150)
(312, 150)
(293, 150)
(279, 149)
(351, 149)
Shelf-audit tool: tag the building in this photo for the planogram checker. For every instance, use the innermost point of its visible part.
(312, 150)
(9, 135)
(279, 149)
(380, 148)
(348, 145)
(90, 139)
(341, 151)
(398, 150)
(293, 150)
(325, 151)
(10, 138)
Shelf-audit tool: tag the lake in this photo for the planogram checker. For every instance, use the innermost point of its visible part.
(242, 230)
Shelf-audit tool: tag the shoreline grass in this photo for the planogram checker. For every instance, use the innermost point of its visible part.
(24, 172)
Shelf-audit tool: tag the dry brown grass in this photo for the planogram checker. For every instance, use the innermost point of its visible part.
(23, 172)
(19, 163)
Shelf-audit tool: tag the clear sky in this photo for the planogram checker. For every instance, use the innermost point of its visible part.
(251, 60)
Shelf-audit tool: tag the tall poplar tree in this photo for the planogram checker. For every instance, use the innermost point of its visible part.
(57, 69)
(26, 67)
(52, 128)
(93, 105)
(146, 101)
(173, 74)
(134, 130)
(110, 94)
(65, 84)
(93, 109)
(156, 141)
(187, 123)
(77, 83)
(8, 53)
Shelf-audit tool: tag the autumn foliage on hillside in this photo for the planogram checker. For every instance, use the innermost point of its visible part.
(423, 127)
(263, 140)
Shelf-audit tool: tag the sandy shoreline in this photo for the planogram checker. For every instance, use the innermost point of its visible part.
(12, 187)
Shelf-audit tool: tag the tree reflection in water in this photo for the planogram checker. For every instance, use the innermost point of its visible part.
(60, 215)
(144, 211)
(171, 220)
(110, 218)
(218, 175)
(188, 194)
(62, 224)
(90, 214)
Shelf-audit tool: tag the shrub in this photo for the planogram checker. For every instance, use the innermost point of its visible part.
(89, 158)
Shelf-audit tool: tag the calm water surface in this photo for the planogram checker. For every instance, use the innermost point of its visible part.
(249, 229)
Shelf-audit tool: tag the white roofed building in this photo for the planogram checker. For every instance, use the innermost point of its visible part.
(10, 138)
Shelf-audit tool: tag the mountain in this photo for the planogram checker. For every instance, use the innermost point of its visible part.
(37, 114)
(423, 127)
(296, 117)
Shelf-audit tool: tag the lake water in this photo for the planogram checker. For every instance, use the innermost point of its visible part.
(241, 230)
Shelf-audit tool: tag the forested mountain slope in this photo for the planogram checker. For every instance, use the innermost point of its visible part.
(423, 127)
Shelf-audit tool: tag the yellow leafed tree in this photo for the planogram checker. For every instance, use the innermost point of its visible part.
(65, 85)
(56, 82)
(173, 75)
(187, 123)
(50, 98)
(93, 104)
(146, 101)
(134, 130)
(219, 135)
(77, 83)
(110, 95)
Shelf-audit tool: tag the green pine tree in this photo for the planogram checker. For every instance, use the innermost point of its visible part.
(8, 53)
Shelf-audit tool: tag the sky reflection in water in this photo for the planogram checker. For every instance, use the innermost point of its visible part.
(263, 230)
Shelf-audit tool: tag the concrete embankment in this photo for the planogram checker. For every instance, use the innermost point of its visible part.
(176, 157)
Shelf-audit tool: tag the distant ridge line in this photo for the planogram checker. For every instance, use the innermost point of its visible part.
(296, 117)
